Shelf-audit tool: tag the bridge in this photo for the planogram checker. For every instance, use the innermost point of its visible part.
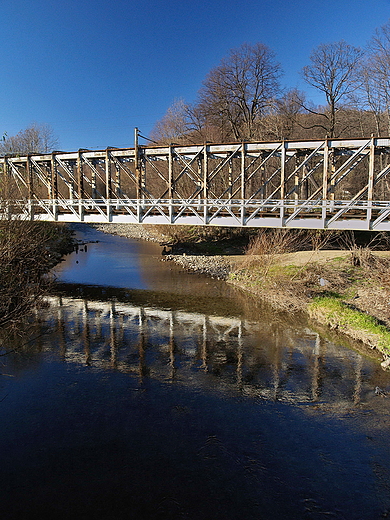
(322, 184)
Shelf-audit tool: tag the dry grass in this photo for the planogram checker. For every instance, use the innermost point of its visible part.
(269, 246)
(281, 241)
(270, 272)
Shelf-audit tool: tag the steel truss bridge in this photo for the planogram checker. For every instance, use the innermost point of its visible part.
(327, 184)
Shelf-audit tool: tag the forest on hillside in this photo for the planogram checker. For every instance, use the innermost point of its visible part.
(241, 99)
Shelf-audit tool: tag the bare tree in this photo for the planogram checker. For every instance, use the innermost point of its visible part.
(282, 120)
(174, 125)
(334, 71)
(377, 74)
(37, 138)
(239, 91)
(372, 97)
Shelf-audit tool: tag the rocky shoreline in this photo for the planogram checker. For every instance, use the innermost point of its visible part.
(215, 266)
(135, 231)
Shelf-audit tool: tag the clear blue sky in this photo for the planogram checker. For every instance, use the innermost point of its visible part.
(95, 70)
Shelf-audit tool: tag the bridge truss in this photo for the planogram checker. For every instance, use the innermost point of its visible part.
(332, 183)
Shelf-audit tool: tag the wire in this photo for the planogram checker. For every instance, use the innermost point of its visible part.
(147, 138)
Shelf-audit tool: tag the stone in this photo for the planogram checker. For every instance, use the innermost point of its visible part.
(386, 364)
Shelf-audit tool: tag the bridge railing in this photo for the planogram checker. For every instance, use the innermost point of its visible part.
(319, 214)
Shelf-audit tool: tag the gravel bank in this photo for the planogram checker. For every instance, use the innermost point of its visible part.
(135, 231)
(214, 266)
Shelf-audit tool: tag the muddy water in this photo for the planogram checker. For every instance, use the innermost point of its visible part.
(143, 392)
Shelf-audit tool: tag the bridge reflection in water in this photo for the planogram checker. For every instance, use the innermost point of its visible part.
(265, 360)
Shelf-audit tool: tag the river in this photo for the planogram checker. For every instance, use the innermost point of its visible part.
(142, 392)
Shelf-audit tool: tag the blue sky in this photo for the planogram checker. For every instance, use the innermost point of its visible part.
(95, 70)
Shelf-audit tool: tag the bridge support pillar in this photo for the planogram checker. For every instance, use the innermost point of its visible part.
(30, 209)
(139, 211)
(109, 211)
(81, 211)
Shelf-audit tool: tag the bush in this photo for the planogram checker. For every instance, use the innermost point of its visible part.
(28, 250)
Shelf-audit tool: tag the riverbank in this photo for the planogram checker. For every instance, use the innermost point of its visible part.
(346, 290)
(28, 251)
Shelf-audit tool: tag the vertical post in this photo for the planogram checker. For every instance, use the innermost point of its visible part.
(172, 344)
(142, 343)
(136, 163)
(371, 173)
(80, 178)
(108, 174)
(204, 343)
(137, 175)
(199, 190)
(325, 178)
(315, 385)
(305, 183)
(230, 178)
(205, 184)
(93, 182)
(54, 185)
(117, 180)
(113, 336)
(48, 175)
(29, 178)
(6, 190)
(80, 184)
(243, 184)
(30, 187)
(230, 181)
(108, 184)
(170, 184)
(262, 179)
(240, 354)
(296, 180)
(332, 180)
(282, 181)
(71, 184)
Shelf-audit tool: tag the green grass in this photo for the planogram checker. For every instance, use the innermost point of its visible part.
(338, 259)
(340, 315)
(285, 270)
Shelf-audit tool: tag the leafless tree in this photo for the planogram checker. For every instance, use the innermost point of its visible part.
(334, 71)
(240, 90)
(37, 138)
(377, 74)
(371, 99)
(174, 126)
(281, 122)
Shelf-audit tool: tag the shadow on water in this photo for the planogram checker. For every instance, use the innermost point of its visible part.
(159, 402)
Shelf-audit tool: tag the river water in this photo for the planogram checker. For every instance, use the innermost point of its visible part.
(142, 392)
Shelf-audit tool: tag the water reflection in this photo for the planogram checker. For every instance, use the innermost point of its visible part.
(175, 396)
(114, 261)
(267, 359)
